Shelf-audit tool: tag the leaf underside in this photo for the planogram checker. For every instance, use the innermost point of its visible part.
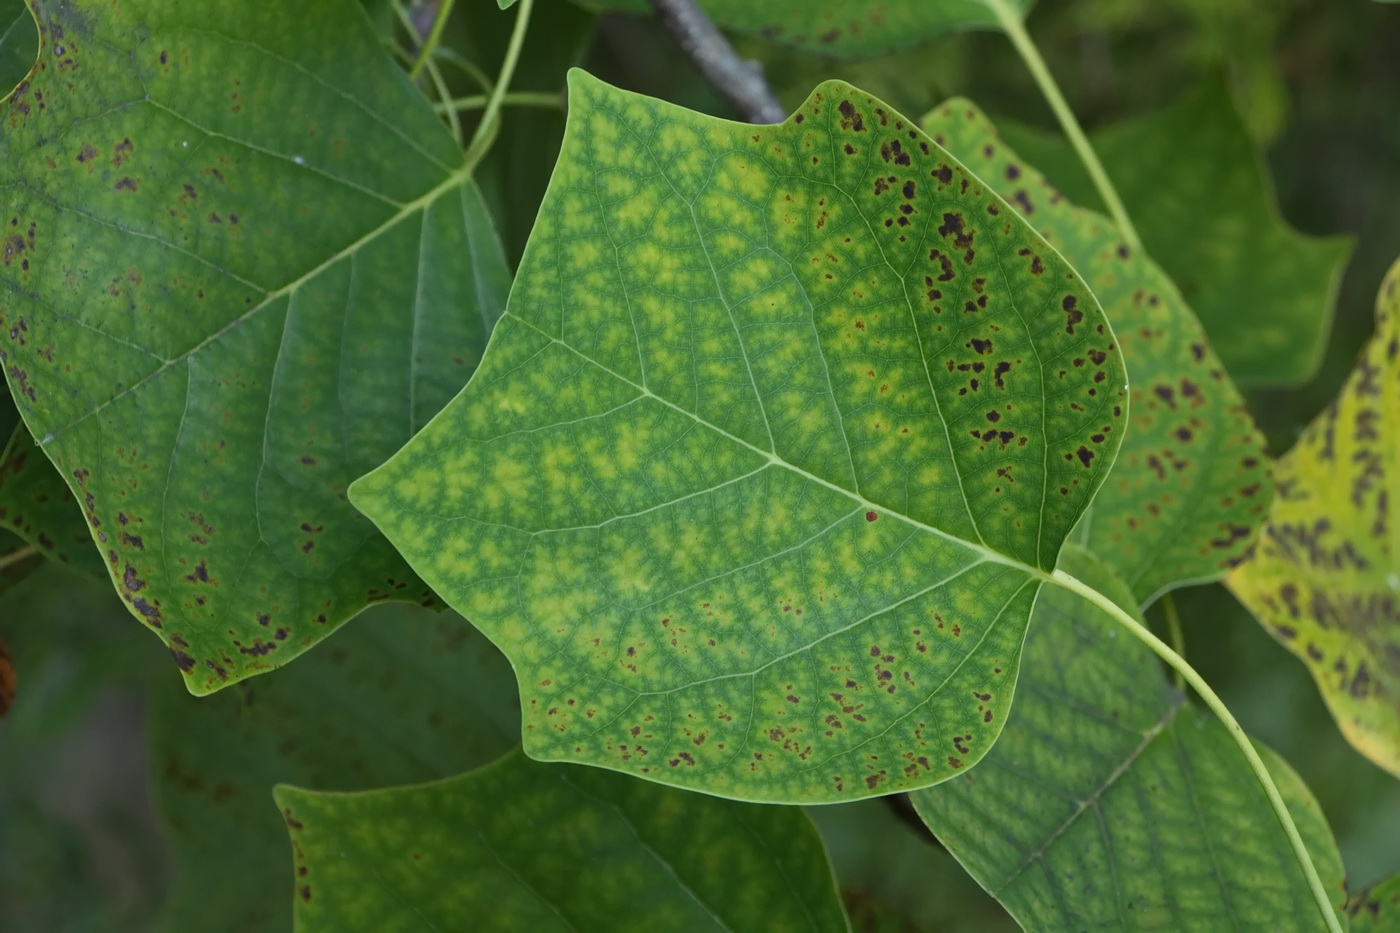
(1197, 191)
(1153, 822)
(1325, 573)
(1191, 482)
(37, 506)
(397, 696)
(524, 846)
(765, 465)
(242, 265)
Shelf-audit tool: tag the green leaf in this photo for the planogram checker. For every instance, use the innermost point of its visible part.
(892, 878)
(1202, 201)
(38, 506)
(398, 696)
(1152, 822)
(284, 271)
(1376, 909)
(1191, 482)
(1325, 572)
(766, 462)
(19, 43)
(519, 845)
(842, 28)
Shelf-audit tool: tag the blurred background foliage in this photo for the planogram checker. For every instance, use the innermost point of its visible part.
(1316, 82)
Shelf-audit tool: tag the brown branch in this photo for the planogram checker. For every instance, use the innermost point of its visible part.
(740, 82)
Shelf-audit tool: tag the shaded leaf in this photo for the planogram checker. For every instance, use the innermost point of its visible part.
(1154, 822)
(19, 43)
(894, 879)
(520, 845)
(1191, 482)
(1325, 573)
(17, 560)
(285, 272)
(7, 680)
(842, 28)
(37, 506)
(399, 696)
(1376, 909)
(770, 455)
(1204, 206)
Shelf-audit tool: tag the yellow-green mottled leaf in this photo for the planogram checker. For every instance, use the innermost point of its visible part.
(1191, 482)
(843, 28)
(530, 847)
(1376, 909)
(1324, 576)
(1110, 804)
(1204, 206)
(768, 459)
(243, 262)
(397, 696)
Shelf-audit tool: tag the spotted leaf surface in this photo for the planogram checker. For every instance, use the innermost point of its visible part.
(1155, 822)
(242, 263)
(398, 696)
(1377, 909)
(842, 28)
(1325, 574)
(524, 846)
(1191, 483)
(1204, 206)
(770, 455)
(37, 506)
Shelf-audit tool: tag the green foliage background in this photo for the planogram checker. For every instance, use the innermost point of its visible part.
(80, 844)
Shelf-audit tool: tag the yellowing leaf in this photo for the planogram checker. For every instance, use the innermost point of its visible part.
(1324, 576)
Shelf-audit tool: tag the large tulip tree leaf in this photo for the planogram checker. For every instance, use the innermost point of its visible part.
(1203, 203)
(524, 846)
(769, 457)
(397, 696)
(1376, 909)
(1191, 483)
(843, 28)
(243, 263)
(1155, 822)
(1324, 576)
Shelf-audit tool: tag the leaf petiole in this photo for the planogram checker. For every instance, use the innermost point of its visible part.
(16, 557)
(513, 99)
(1178, 664)
(425, 51)
(486, 131)
(1016, 32)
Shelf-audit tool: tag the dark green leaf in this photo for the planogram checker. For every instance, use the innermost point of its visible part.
(1191, 482)
(398, 696)
(1110, 803)
(1377, 909)
(284, 271)
(523, 846)
(842, 28)
(771, 454)
(1204, 206)
(38, 506)
(19, 43)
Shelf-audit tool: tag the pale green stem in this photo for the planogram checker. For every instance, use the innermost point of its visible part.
(15, 557)
(1178, 664)
(470, 68)
(434, 36)
(486, 129)
(445, 95)
(1016, 32)
(514, 98)
(1175, 634)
